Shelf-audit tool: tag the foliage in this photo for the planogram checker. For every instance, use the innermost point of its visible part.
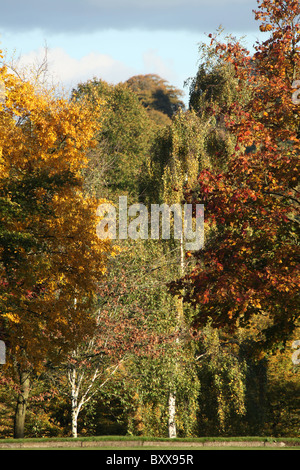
(160, 99)
(103, 334)
(222, 372)
(283, 393)
(174, 370)
(50, 253)
(123, 135)
(175, 160)
(50, 256)
(213, 91)
(249, 265)
(150, 371)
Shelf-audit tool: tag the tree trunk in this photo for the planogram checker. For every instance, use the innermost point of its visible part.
(180, 320)
(74, 418)
(19, 423)
(74, 381)
(172, 413)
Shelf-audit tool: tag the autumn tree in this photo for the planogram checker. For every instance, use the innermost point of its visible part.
(51, 257)
(249, 266)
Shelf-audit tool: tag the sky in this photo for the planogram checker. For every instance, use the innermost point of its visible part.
(114, 40)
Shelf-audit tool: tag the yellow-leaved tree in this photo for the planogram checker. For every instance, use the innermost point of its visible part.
(50, 256)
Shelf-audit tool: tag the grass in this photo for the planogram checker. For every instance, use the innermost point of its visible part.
(158, 439)
(135, 443)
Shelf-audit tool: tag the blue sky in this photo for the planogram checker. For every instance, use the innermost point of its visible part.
(116, 39)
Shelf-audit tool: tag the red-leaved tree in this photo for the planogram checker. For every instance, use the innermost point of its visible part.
(250, 262)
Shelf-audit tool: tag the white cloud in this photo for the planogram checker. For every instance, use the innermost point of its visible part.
(153, 63)
(69, 71)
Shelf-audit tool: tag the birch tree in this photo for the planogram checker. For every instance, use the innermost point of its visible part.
(85, 380)
(174, 163)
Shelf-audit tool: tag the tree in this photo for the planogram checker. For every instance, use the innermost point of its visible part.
(222, 374)
(49, 251)
(249, 266)
(212, 91)
(122, 333)
(118, 136)
(283, 392)
(160, 99)
(123, 136)
(151, 372)
(174, 162)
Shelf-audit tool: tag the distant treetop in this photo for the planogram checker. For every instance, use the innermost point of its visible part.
(159, 98)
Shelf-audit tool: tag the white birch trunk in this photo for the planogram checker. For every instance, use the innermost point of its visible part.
(83, 386)
(74, 400)
(74, 419)
(172, 395)
(172, 415)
